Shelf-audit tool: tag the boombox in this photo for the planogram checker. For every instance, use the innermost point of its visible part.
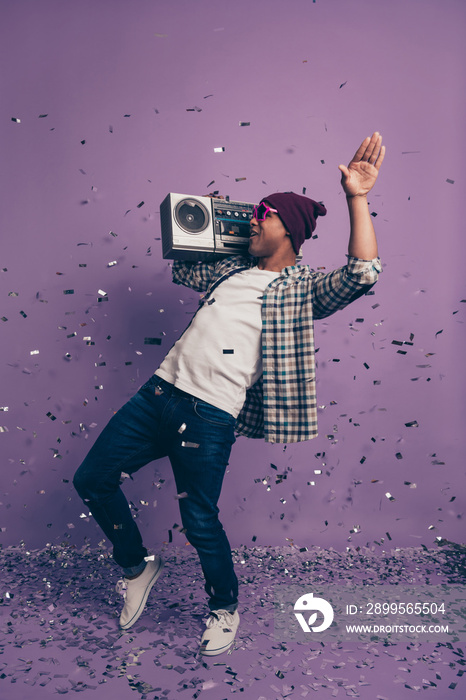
(194, 228)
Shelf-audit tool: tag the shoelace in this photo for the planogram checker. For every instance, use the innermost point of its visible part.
(121, 587)
(219, 618)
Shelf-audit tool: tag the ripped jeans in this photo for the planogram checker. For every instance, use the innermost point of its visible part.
(159, 421)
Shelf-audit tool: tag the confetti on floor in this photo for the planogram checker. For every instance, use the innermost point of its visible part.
(59, 629)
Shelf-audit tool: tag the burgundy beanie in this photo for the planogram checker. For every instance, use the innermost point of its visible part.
(298, 214)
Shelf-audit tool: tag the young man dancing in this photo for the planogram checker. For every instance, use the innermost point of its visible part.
(244, 365)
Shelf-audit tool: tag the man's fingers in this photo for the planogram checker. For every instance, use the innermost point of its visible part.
(370, 151)
(373, 148)
(361, 150)
(369, 148)
(380, 158)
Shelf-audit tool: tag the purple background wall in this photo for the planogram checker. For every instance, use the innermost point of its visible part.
(121, 102)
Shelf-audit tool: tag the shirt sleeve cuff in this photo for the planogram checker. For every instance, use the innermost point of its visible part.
(358, 264)
(366, 270)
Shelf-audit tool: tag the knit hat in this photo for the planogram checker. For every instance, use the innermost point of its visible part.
(298, 214)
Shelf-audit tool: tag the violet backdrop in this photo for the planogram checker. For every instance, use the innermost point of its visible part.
(108, 105)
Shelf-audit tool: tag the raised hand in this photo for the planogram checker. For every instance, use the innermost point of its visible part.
(359, 177)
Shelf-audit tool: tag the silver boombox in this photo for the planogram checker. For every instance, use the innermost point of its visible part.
(194, 228)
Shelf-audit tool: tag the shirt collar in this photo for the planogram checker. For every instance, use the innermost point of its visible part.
(286, 271)
(291, 269)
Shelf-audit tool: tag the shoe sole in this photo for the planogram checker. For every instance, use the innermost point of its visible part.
(142, 605)
(215, 652)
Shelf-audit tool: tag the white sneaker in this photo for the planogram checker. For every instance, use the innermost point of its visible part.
(136, 591)
(220, 632)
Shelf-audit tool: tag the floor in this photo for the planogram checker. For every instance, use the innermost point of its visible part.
(59, 632)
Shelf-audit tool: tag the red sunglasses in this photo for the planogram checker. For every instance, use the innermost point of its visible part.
(260, 211)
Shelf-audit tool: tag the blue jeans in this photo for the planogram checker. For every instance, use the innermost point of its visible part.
(159, 421)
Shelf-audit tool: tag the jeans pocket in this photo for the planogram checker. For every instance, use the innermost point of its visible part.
(212, 414)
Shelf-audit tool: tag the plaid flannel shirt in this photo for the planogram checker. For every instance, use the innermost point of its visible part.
(281, 406)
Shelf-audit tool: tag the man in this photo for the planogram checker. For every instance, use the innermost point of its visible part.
(246, 364)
